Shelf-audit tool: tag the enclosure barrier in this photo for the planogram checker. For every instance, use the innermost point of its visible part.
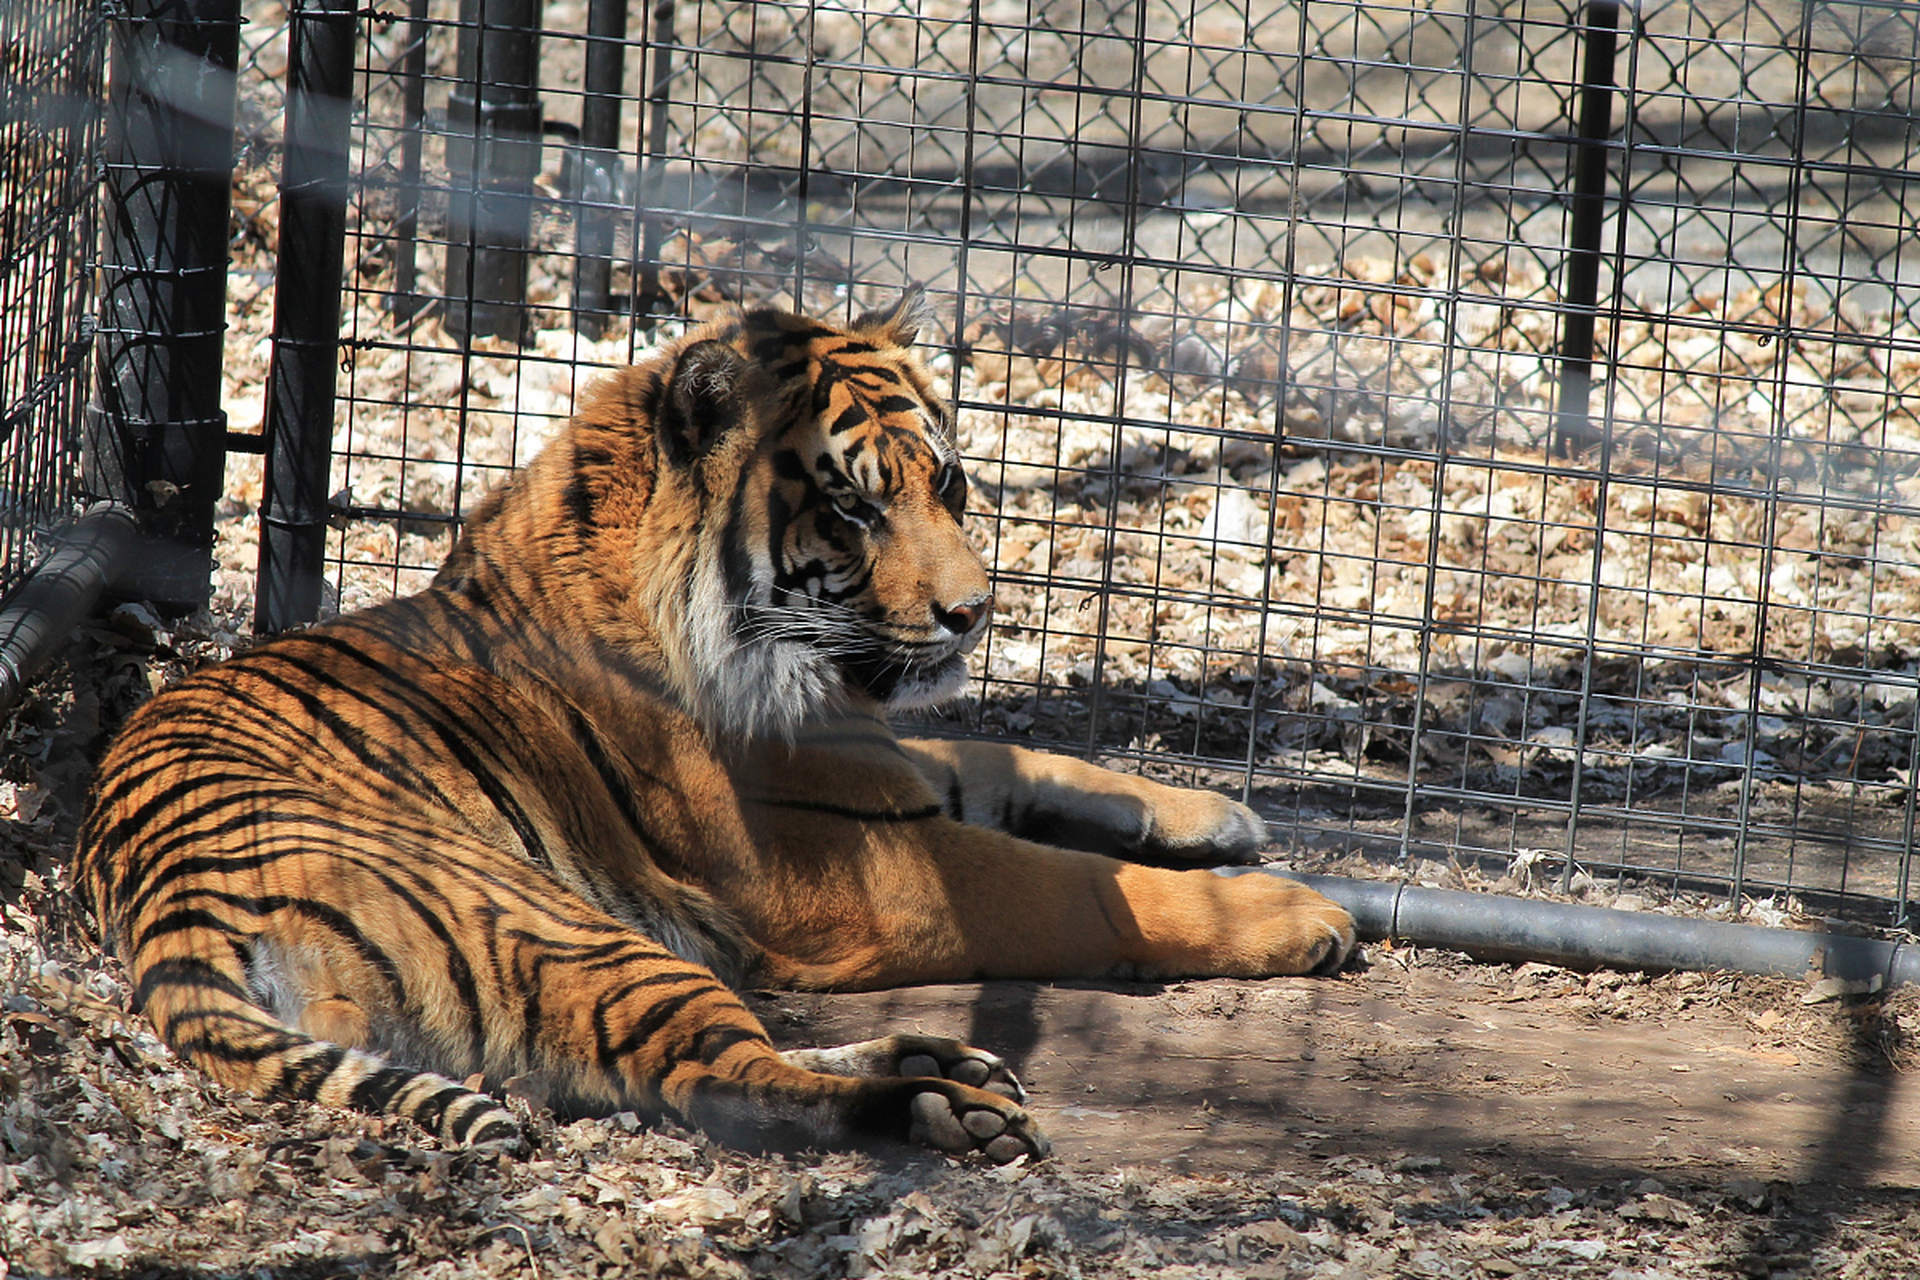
(52, 52)
(493, 157)
(306, 314)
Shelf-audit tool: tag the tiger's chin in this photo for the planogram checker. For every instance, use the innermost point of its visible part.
(769, 690)
(913, 688)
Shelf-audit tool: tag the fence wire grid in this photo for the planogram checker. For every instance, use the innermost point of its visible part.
(1265, 328)
(50, 69)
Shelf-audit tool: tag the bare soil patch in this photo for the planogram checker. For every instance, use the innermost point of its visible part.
(1424, 1054)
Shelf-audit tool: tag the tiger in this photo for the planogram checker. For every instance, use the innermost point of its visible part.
(628, 754)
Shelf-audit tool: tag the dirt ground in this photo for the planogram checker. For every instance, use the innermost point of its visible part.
(1419, 1115)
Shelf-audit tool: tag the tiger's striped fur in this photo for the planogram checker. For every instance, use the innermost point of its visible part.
(630, 749)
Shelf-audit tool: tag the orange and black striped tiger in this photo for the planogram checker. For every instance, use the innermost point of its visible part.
(629, 749)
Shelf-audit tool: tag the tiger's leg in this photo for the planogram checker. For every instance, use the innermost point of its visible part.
(878, 886)
(933, 900)
(1059, 800)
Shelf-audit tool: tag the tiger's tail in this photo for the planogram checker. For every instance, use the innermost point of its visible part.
(205, 1012)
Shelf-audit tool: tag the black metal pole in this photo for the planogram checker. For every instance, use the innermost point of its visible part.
(648, 296)
(493, 157)
(306, 312)
(597, 161)
(156, 437)
(413, 117)
(1573, 427)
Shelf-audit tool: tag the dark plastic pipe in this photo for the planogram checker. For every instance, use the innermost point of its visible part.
(155, 435)
(1494, 927)
(493, 157)
(306, 312)
(60, 593)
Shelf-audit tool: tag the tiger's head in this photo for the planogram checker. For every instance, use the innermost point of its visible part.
(799, 545)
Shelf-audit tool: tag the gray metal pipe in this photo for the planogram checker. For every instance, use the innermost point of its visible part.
(1495, 927)
(60, 592)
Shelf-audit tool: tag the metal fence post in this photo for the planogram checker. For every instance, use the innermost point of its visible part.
(493, 157)
(156, 436)
(306, 323)
(406, 301)
(648, 296)
(597, 164)
(1572, 428)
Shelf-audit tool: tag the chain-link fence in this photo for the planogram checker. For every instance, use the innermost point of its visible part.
(50, 62)
(1481, 432)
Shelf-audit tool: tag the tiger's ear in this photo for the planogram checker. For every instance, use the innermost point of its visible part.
(703, 400)
(900, 323)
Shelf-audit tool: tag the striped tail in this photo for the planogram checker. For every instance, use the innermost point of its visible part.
(209, 1019)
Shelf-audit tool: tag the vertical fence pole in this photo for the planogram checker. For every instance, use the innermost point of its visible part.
(493, 157)
(406, 300)
(156, 437)
(306, 312)
(648, 296)
(598, 163)
(1573, 428)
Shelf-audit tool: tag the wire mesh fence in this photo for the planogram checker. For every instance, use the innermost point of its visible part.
(50, 61)
(1305, 462)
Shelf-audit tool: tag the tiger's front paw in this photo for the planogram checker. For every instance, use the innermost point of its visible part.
(1244, 924)
(960, 1120)
(1138, 819)
(1301, 932)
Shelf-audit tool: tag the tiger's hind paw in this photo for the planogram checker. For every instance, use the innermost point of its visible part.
(931, 1056)
(918, 1056)
(987, 1123)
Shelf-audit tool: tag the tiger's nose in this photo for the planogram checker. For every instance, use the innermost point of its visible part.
(965, 617)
